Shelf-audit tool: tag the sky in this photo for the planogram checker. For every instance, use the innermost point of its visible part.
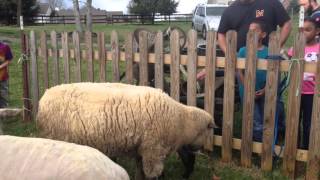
(185, 6)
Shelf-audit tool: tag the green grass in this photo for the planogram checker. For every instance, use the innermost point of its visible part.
(205, 166)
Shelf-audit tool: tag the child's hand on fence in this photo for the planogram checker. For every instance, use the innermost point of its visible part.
(201, 75)
(260, 93)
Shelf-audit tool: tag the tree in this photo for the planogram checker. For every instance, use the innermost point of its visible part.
(89, 15)
(9, 10)
(76, 11)
(151, 7)
(167, 7)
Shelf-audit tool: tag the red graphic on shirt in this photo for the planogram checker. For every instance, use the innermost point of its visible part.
(259, 13)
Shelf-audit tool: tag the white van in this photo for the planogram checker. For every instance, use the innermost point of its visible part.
(207, 17)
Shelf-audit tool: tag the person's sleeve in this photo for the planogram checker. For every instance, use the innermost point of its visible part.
(290, 52)
(242, 52)
(224, 23)
(281, 14)
(8, 55)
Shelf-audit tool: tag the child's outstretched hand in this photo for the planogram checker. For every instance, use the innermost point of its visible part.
(260, 93)
(201, 75)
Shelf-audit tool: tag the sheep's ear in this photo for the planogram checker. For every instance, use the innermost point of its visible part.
(211, 125)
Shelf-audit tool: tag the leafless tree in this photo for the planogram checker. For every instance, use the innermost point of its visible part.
(53, 4)
(76, 11)
(19, 11)
(89, 15)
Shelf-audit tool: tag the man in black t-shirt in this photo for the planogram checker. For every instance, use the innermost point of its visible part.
(241, 13)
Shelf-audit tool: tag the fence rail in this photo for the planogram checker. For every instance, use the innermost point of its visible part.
(73, 58)
(107, 19)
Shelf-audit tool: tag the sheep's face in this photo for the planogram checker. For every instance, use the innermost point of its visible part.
(203, 126)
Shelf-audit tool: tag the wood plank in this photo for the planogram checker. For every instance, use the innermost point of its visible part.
(34, 75)
(55, 60)
(66, 64)
(313, 165)
(175, 66)
(302, 155)
(143, 64)
(26, 116)
(77, 55)
(271, 91)
(228, 98)
(102, 56)
(220, 62)
(44, 52)
(293, 110)
(115, 56)
(249, 98)
(210, 79)
(159, 76)
(89, 57)
(129, 58)
(192, 68)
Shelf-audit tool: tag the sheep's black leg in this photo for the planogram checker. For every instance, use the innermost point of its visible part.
(139, 175)
(188, 159)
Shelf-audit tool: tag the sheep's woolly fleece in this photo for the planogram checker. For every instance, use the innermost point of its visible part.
(122, 119)
(36, 158)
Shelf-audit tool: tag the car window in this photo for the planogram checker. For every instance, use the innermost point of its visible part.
(215, 11)
(201, 11)
(198, 11)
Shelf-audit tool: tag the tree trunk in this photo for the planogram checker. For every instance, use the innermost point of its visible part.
(76, 12)
(89, 15)
(19, 10)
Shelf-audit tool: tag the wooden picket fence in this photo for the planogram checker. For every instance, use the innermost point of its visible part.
(42, 55)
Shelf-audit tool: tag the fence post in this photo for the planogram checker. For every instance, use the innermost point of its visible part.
(77, 52)
(89, 47)
(175, 66)
(25, 80)
(143, 64)
(65, 49)
(313, 164)
(228, 97)
(44, 53)
(210, 80)
(159, 80)
(270, 103)
(102, 56)
(129, 58)
(55, 58)
(34, 67)
(192, 68)
(115, 56)
(293, 110)
(248, 100)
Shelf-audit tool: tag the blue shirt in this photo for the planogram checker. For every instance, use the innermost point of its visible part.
(261, 75)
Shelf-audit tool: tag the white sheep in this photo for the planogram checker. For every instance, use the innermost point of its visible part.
(120, 119)
(36, 158)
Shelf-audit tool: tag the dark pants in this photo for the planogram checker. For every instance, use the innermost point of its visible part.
(3, 94)
(258, 119)
(305, 119)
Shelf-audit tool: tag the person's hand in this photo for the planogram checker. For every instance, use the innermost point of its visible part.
(260, 93)
(201, 75)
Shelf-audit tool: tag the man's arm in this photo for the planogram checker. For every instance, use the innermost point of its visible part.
(285, 32)
(222, 42)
